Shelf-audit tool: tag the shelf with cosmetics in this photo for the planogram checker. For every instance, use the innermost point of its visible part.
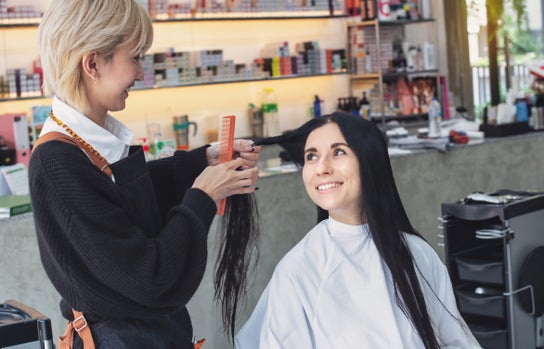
(174, 68)
(206, 67)
(394, 62)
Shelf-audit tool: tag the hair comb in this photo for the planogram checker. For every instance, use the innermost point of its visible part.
(226, 141)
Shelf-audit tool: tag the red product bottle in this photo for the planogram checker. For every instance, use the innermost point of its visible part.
(371, 9)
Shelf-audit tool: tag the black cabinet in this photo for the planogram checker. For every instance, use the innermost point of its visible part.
(486, 243)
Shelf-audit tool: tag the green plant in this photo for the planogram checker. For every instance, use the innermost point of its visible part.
(515, 26)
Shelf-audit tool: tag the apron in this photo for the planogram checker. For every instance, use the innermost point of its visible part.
(172, 331)
(168, 331)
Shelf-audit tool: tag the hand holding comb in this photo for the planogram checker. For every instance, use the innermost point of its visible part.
(226, 141)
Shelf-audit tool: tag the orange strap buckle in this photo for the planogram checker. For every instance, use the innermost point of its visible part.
(79, 323)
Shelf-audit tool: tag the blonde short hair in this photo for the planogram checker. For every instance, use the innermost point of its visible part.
(71, 29)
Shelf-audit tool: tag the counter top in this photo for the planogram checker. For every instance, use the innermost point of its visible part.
(271, 164)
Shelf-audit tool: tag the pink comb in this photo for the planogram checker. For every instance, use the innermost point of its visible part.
(225, 149)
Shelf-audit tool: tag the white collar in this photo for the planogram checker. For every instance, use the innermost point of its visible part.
(112, 141)
(342, 230)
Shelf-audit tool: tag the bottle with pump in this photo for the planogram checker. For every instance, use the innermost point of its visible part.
(435, 118)
(269, 106)
(364, 107)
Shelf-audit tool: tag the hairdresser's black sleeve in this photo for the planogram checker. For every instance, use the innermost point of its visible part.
(172, 177)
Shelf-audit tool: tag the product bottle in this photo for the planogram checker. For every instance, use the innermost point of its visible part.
(435, 118)
(371, 9)
(145, 148)
(364, 12)
(428, 56)
(384, 10)
(317, 106)
(426, 9)
(368, 62)
(269, 105)
(364, 107)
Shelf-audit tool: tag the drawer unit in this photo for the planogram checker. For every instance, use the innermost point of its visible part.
(492, 304)
(486, 243)
(490, 337)
(480, 270)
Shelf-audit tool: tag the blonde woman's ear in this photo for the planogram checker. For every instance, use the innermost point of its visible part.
(88, 66)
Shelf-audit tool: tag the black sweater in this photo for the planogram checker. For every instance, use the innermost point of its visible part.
(101, 260)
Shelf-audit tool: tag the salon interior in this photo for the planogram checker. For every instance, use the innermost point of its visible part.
(457, 87)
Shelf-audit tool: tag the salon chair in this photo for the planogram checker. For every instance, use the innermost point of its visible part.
(22, 327)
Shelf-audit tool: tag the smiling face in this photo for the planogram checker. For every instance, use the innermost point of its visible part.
(331, 174)
(113, 78)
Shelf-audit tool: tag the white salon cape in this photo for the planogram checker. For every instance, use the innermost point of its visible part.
(332, 290)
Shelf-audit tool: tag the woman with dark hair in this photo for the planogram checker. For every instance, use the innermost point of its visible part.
(363, 277)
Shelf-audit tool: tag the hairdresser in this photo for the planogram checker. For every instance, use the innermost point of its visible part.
(122, 240)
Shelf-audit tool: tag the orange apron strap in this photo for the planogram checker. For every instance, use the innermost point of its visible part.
(59, 136)
(51, 136)
(199, 344)
(83, 329)
(66, 341)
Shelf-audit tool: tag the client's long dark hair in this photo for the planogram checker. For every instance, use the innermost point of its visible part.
(240, 228)
(380, 201)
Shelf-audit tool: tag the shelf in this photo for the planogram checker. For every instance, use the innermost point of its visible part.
(401, 118)
(238, 16)
(376, 45)
(21, 98)
(28, 22)
(373, 22)
(412, 74)
(200, 84)
(395, 75)
(252, 16)
(373, 76)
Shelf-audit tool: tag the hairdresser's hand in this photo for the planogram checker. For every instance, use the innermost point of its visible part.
(241, 149)
(224, 180)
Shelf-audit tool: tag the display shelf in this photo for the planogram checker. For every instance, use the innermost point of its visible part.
(394, 75)
(402, 118)
(210, 80)
(35, 22)
(380, 54)
(374, 22)
(371, 76)
(409, 74)
(252, 16)
(242, 41)
(198, 84)
(21, 98)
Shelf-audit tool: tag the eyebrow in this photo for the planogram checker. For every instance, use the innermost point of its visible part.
(333, 146)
